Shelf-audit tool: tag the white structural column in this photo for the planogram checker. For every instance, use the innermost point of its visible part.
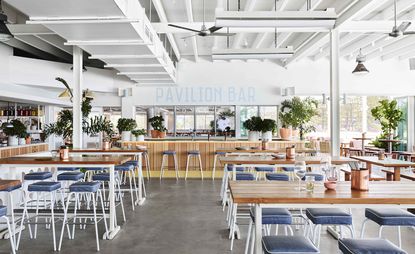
(411, 122)
(334, 93)
(364, 113)
(77, 97)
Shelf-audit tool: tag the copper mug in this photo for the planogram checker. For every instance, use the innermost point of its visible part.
(64, 153)
(360, 179)
(106, 145)
(290, 151)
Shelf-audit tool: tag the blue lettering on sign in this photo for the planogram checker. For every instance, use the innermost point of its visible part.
(159, 94)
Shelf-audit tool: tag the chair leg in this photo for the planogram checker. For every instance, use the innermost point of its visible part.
(162, 166)
(146, 158)
(363, 228)
(399, 237)
(52, 201)
(215, 158)
(187, 167)
(131, 189)
(176, 167)
(65, 218)
(380, 231)
(200, 165)
(95, 220)
(248, 237)
(222, 188)
(11, 238)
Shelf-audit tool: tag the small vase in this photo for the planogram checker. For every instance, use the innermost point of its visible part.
(267, 136)
(22, 141)
(140, 138)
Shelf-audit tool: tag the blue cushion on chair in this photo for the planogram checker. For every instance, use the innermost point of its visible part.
(84, 187)
(390, 216)
(38, 176)
(3, 210)
(220, 153)
(44, 186)
(11, 188)
(274, 216)
(329, 216)
(317, 177)
(368, 246)
(70, 176)
(193, 152)
(244, 177)
(169, 152)
(132, 162)
(264, 169)
(67, 169)
(287, 244)
(277, 177)
(94, 169)
(238, 169)
(124, 167)
(288, 169)
(101, 177)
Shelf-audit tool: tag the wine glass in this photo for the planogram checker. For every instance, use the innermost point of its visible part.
(325, 165)
(332, 174)
(299, 172)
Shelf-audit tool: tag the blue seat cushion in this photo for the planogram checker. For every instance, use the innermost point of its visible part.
(264, 169)
(277, 177)
(70, 176)
(132, 162)
(274, 216)
(101, 177)
(288, 169)
(67, 169)
(124, 167)
(38, 176)
(3, 210)
(85, 187)
(220, 153)
(94, 169)
(317, 177)
(368, 246)
(12, 188)
(193, 152)
(287, 244)
(390, 216)
(238, 169)
(244, 177)
(44, 186)
(169, 152)
(329, 216)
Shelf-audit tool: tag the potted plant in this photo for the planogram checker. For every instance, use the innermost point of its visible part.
(268, 128)
(125, 126)
(254, 127)
(139, 134)
(389, 116)
(297, 113)
(159, 130)
(100, 124)
(16, 132)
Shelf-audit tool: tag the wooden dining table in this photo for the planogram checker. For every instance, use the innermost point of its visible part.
(284, 194)
(261, 151)
(136, 154)
(109, 162)
(395, 164)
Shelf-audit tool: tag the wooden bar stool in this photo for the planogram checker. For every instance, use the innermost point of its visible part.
(176, 166)
(194, 153)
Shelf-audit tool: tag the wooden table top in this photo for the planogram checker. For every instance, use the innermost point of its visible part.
(390, 140)
(5, 184)
(387, 162)
(263, 192)
(234, 150)
(268, 160)
(112, 150)
(362, 138)
(73, 160)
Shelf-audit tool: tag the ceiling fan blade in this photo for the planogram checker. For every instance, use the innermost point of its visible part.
(185, 28)
(222, 34)
(214, 29)
(409, 33)
(404, 26)
(190, 36)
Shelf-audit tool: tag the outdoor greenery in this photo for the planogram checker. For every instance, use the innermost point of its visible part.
(297, 113)
(157, 122)
(253, 124)
(126, 124)
(18, 129)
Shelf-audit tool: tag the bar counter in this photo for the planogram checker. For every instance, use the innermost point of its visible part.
(10, 151)
(207, 151)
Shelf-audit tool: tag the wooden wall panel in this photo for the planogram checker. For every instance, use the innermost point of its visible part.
(6, 152)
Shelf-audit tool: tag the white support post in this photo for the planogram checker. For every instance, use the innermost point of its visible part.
(411, 123)
(334, 94)
(364, 113)
(77, 97)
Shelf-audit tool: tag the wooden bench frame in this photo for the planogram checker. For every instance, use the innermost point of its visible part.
(373, 177)
(389, 175)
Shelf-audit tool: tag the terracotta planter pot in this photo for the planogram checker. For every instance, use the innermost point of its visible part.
(285, 133)
(162, 134)
(154, 133)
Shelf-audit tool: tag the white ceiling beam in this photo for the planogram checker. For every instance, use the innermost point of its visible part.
(122, 57)
(237, 39)
(163, 18)
(126, 73)
(407, 55)
(23, 29)
(107, 43)
(379, 44)
(318, 40)
(78, 20)
(132, 65)
(399, 51)
(372, 26)
(220, 7)
(189, 12)
(360, 44)
(393, 46)
(151, 79)
(42, 45)
(56, 41)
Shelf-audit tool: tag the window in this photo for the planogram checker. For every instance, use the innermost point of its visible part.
(402, 131)
(268, 112)
(141, 118)
(205, 119)
(245, 114)
(225, 117)
(113, 114)
(321, 121)
(185, 122)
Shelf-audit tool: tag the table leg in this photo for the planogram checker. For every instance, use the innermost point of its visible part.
(363, 147)
(141, 199)
(234, 172)
(396, 173)
(258, 229)
(113, 227)
(369, 167)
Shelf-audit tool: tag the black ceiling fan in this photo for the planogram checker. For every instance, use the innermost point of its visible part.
(204, 31)
(399, 30)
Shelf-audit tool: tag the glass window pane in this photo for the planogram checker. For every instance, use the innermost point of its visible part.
(205, 119)
(184, 120)
(225, 118)
(351, 117)
(246, 113)
(268, 112)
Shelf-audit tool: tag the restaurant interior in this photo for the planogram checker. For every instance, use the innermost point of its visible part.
(197, 126)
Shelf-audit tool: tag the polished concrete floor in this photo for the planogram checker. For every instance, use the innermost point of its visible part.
(177, 218)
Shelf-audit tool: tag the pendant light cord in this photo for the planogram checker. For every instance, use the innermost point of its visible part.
(275, 29)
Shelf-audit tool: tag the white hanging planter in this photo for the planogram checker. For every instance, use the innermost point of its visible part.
(253, 136)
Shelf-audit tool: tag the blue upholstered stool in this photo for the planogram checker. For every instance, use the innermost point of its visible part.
(228, 170)
(215, 159)
(389, 217)
(93, 189)
(317, 177)
(277, 177)
(3, 215)
(39, 188)
(68, 169)
(368, 246)
(237, 169)
(37, 176)
(71, 176)
(176, 165)
(288, 169)
(329, 216)
(194, 154)
(245, 176)
(264, 169)
(287, 244)
(128, 170)
(270, 216)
